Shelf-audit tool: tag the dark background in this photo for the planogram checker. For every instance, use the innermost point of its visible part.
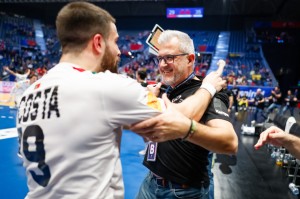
(218, 14)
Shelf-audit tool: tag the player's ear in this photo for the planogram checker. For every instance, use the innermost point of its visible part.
(98, 43)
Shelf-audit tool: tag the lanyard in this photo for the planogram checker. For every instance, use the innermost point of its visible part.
(191, 76)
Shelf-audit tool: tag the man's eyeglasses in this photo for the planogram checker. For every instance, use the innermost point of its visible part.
(169, 59)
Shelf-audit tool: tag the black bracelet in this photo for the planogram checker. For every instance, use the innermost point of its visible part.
(191, 130)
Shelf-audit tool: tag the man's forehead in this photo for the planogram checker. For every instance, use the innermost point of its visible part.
(113, 31)
(168, 49)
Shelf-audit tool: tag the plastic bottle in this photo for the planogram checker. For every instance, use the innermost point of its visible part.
(286, 159)
(274, 153)
(294, 189)
(279, 160)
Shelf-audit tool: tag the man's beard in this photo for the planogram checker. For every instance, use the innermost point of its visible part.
(109, 62)
(171, 81)
(168, 82)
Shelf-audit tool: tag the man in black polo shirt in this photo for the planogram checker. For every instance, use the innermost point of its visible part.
(236, 95)
(259, 103)
(178, 161)
(276, 98)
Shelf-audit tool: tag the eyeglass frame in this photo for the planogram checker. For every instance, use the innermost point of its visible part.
(158, 59)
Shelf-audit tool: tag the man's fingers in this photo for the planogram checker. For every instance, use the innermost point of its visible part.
(261, 141)
(158, 85)
(154, 88)
(144, 125)
(257, 145)
(223, 82)
(265, 136)
(221, 63)
(275, 135)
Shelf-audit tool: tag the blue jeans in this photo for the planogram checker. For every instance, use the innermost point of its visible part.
(291, 108)
(258, 111)
(210, 175)
(151, 190)
(272, 107)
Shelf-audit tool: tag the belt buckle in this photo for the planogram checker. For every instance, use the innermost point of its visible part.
(184, 186)
(180, 186)
(166, 183)
(162, 182)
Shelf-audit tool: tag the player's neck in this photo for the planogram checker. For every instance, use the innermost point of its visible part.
(82, 60)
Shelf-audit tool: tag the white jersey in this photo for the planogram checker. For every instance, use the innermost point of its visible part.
(19, 89)
(20, 77)
(69, 121)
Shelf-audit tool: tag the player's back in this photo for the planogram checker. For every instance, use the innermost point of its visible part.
(68, 143)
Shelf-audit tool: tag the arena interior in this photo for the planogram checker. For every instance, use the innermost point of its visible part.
(258, 39)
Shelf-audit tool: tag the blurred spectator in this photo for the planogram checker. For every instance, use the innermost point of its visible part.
(290, 102)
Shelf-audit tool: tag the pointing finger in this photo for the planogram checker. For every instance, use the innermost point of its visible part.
(221, 63)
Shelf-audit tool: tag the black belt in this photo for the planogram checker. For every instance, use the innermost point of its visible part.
(170, 184)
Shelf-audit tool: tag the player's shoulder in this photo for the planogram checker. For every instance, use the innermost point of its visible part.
(116, 78)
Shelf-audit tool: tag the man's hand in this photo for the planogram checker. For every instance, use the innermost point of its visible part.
(169, 125)
(215, 77)
(154, 88)
(272, 135)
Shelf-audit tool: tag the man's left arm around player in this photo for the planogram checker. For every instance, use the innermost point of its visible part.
(216, 135)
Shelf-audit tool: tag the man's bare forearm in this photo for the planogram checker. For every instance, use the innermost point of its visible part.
(195, 105)
(292, 144)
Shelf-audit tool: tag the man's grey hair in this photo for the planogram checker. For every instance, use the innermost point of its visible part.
(186, 44)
